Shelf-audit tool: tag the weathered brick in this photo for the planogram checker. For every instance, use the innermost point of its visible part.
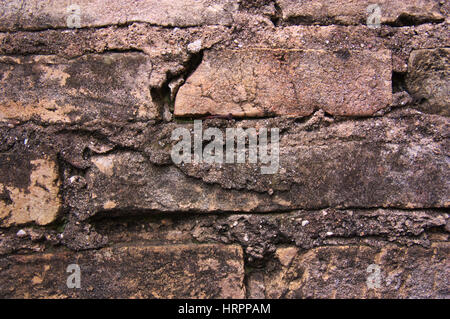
(259, 234)
(342, 272)
(428, 80)
(38, 14)
(87, 177)
(176, 271)
(393, 161)
(260, 82)
(160, 188)
(350, 12)
(108, 87)
(29, 190)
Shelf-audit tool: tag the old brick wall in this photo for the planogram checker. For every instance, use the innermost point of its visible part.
(90, 97)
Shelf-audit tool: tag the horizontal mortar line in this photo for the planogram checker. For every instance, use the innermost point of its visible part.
(69, 58)
(194, 243)
(286, 23)
(132, 244)
(228, 26)
(105, 26)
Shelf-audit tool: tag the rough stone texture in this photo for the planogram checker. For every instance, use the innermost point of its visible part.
(182, 271)
(262, 82)
(393, 161)
(86, 176)
(29, 190)
(341, 272)
(353, 164)
(351, 12)
(166, 46)
(53, 90)
(38, 14)
(428, 80)
(260, 235)
(160, 188)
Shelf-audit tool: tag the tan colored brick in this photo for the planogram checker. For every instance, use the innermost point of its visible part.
(260, 82)
(37, 200)
(96, 87)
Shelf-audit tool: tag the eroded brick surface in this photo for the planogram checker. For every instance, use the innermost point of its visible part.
(343, 272)
(428, 80)
(111, 87)
(350, 12)
(29, 190)
(179, 271)
(86, 174)
(393, 161)
(262, 82)
(33, 14)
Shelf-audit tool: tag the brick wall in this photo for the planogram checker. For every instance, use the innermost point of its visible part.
(91, 95)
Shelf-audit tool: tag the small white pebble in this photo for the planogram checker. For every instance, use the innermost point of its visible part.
(21, 233)
(25, 141)
(246, 237)
(195, 46)
(329, 233)
(305, 222)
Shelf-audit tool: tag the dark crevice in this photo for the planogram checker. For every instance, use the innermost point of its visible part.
(403, 20)
(153, 214)
(18, 29)
(163, 96)
(193, 63)
(436, 230)
(407, 20)
(189, 118)
(118, 50)
(278, 15)
(417, 100)
(303, 20)
(399, 82)
(303, 119)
